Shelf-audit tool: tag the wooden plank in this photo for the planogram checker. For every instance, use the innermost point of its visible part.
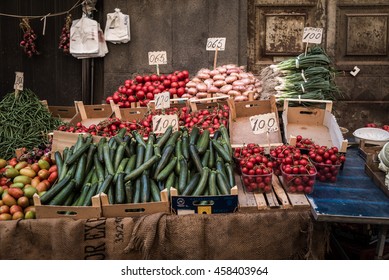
(280, 192)
(247, 202)
(260, 200)
(378, 178)
(272, 200)
(296, 199)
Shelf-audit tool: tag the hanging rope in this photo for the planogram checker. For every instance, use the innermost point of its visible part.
(77, 4)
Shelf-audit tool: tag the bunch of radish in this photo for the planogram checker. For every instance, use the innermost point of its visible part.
(143, 88)
(64, 39)
(228, 79)
(29, 37)
(279, 154)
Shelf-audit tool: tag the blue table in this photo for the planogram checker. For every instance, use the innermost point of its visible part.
(354, 198)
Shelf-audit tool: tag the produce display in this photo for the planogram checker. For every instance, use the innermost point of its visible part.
(29, 38)
(229, 79)
(307, 76)
(130, 169)
(143, 88)
(19, 181)
(209, 119)
(25, 122)
(384, 127)
(298, 175)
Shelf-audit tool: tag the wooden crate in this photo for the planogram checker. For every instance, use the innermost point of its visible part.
(134, 209)
(209, 103)
(74, 212)
(311, 122)
(277, 199)
(91, 114)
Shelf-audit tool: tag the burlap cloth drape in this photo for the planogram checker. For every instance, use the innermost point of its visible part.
(263, 235)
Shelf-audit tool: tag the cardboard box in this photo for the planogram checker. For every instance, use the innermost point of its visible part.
(207, 103)
(91, 114)
(65, 113)
(183, 205)
(62, 139)
(74, 212)
(311, 122)
(240, 127)
(128, 114)
(134, 209)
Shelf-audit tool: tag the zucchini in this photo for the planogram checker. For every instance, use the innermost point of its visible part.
(129, 191)
(212, 156)
(205, 158)
(220, 150)
(138, 171)
(194, 155)
(140, 155)
(136, 197)
(203, 142)
(149, 147)
(172, 139)
(130, 164)
(178, 155)
(84, 191)
(185, 144)
(139, 138)
(120, 168)
(92, 191)
(222, 184)
(145, 188)
(89, 158)
(77, 153)
(65, 192)
(154, 191)
(99, 168)
(79, 177)
(121, 133)
(164, 159)
(100, 146)
(105, 185)
(212, 183)
(199, 190)
(112, 143)
(56, 188)
(183, 176)
(119, 154)
(120, 194)
(190, 187)
(69, 201)
(107, 159)
(111, 195)
(79, 142)
(58, 161)
(230, 174)
(165, 137)
(165, 172)
(226, 138)
(194, 135)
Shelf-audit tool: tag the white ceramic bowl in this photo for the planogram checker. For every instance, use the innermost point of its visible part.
(372, 135)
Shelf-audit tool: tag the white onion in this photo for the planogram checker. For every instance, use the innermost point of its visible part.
(192, 91)
(214, 72)
(201, 87)
(238, 83)
(202, 94)
(230, 79)
(226, 88)
(219, 83)
(191, 84)
(208, 82)
(203, 76)
(234, 93)
(213, 89)
(218, 77)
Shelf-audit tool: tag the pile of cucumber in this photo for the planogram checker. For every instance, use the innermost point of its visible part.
(130, 169)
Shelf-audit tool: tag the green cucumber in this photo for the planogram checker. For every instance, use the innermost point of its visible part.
(203, 142)
(201, 186)
(138, 171)
(120, 194)
(145, 185)
(165, 172)
(194, 155)
(190, 187)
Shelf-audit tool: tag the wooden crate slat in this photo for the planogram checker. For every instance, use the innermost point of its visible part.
(280, 192)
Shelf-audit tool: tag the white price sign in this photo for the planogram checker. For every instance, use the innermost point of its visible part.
(312, 35)
(162, 122)
(156, 58)
(162, 100)
(264, 123)
(216, 43)
(19, 80)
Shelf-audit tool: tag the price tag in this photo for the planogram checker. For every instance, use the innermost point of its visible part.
(162, 100)
(216, 43)
(162, 122)
(19, 80)
(156, 58)
(264, 123)
(312, 35)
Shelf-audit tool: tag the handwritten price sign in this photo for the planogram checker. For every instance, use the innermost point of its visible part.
(162, 122)
(156, 58)
(264, 123)
(19, 80)
(312, 35)
(162, 100)
(216, 43)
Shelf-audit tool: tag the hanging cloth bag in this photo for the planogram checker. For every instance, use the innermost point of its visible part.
(117, 28)
(84, 38)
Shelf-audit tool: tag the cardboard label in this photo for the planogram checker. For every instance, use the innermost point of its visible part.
(216, 43)
(162, 100)
(156, 58)
(19, 80)
(162, 122)
(312, 35)
(264, 123)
